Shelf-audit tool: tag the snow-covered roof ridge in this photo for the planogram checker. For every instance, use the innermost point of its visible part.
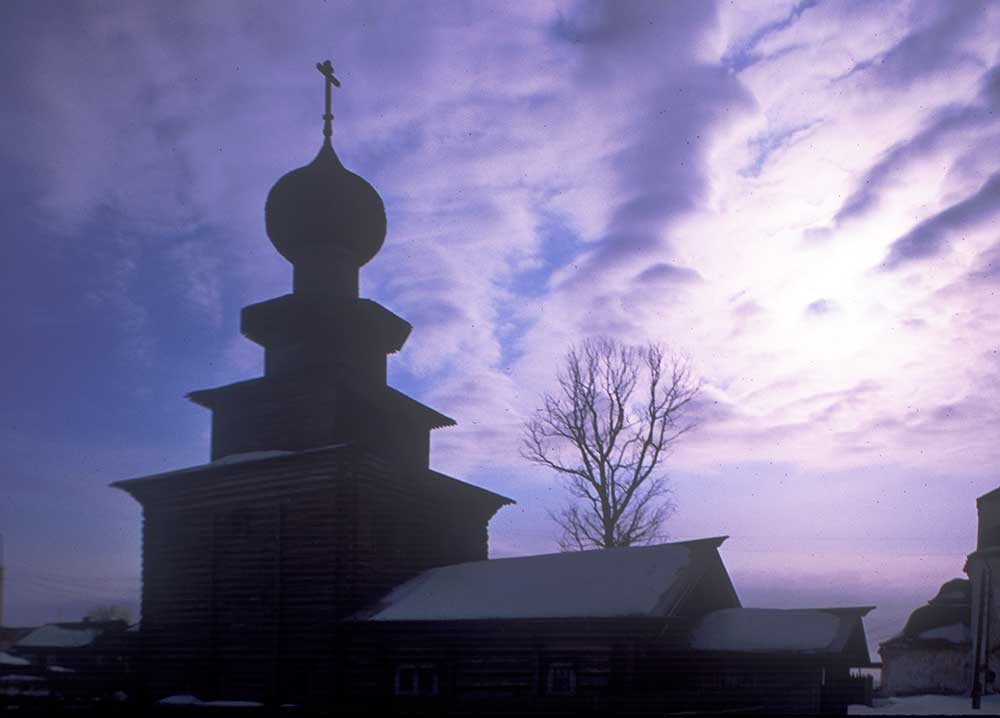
(599, 583)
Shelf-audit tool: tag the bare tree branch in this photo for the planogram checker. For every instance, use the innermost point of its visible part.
(615, 418)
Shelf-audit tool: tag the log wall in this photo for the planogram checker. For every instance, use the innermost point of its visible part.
(247, 568)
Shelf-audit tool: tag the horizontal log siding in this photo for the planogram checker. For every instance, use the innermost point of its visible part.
(623, 666)
(247, 568)
(480, 661)
(307, 412)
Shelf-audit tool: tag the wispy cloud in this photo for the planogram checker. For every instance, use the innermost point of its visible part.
(550, 170)
(930, 237)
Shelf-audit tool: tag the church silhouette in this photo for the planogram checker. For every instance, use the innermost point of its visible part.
(319, 497)
(318, 560)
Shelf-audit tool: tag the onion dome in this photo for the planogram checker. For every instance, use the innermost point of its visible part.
(324, 213)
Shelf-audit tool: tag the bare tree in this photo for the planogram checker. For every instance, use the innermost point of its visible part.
(109, 612)
(618, 412)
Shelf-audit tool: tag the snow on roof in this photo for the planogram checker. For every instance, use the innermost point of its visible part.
(225, 461)
(56, 636)
(7, 659)
(189, 700)
(766, 629)
(928, 705)
(954, 633)
(15, 678)
(601, 583)
(249, 456)
(180, 700)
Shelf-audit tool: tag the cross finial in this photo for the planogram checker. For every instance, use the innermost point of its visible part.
(326, 69)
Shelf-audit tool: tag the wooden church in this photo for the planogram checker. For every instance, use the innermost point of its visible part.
(319, 497)
(318, 560)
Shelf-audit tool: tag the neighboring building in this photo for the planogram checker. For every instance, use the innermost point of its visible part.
(9, 635)
(77, 645)
(86, 659)
(952, 645)
(981, 566)
(933, 654)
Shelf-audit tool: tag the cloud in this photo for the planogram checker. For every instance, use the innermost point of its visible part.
(659, 167)
(744, 52)
(930, 47)
(666, 273)
(820, 307)
(930, 237)
(550, 170)
(987, 266)
(770, 142)
(945, 126)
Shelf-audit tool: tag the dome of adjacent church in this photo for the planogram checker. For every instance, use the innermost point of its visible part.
(323, 212)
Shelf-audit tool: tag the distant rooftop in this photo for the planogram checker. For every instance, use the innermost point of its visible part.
(56, 636)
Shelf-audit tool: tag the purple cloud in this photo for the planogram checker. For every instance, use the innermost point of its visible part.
(931, 47)
(666, 273)
(641, 58)
(930, 237)
(821, 307)
(944, 126)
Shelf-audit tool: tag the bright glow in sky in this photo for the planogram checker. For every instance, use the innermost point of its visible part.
(802, 196)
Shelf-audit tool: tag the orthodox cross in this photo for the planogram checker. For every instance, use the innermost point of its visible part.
(326, 69)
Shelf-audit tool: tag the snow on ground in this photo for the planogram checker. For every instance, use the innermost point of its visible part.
(929, 706)
(766, 629)
(632, 582)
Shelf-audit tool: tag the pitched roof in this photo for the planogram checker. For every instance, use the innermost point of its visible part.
(820, 631)
(76, 634)
(225, 466)
(225, 461)
(989, 496)
(638, 581)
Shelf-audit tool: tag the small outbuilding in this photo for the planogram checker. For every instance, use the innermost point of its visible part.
(93, 659)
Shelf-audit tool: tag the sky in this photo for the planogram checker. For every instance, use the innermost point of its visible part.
(802, 197)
